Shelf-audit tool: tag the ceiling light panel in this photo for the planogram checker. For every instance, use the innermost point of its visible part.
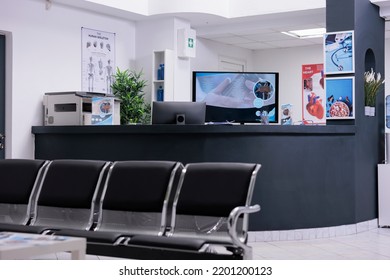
(306, 33)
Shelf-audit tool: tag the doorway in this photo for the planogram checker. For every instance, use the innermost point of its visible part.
(2, 95)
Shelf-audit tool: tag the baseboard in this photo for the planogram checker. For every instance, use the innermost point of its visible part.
(311, 233)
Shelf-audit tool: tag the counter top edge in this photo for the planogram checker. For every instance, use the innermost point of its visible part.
(213, 129)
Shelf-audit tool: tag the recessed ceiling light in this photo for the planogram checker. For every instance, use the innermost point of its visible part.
(306, 33)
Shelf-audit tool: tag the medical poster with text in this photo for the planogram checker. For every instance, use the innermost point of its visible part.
(313, 94)
(98, 60)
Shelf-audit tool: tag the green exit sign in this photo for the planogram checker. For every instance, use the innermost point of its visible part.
(191, 43)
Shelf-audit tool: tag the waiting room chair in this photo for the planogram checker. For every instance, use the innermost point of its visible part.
(134, 201)
(210, 211)
(67, 196)
(20, 179)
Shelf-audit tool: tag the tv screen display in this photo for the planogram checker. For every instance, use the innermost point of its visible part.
(237, 96)
(178, 112)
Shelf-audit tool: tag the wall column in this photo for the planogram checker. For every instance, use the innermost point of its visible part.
(369, 31)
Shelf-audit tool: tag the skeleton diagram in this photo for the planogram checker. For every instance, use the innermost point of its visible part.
(91, 74)
(109, 76)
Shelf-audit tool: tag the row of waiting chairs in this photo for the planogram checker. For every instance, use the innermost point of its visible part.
(133, 209)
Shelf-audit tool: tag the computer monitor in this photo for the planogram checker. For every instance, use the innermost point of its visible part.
(178, 112)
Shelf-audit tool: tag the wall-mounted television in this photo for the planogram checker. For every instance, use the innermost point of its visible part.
(240, 97)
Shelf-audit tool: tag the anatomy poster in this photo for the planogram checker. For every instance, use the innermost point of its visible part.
(339, 52)
(313, 94)
(98, 60)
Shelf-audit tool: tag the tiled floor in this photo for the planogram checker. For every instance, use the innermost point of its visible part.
(368, 245)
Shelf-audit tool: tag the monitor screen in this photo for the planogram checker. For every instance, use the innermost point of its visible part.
(178, 112)
(240, 97)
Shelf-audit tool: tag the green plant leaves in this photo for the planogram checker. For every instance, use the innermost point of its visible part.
(372, 83)
(128, 87)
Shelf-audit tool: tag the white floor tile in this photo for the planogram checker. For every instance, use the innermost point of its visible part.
(366, 245)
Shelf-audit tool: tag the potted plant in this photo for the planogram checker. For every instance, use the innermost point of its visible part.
(128, 86)
(372, 83)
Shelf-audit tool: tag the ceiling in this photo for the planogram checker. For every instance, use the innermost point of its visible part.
(262, 32)
(251, 32)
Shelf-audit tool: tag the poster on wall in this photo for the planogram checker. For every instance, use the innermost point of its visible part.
(339, 53)
(340, 98)
(313, 94)
(98, 60)
(387, 120)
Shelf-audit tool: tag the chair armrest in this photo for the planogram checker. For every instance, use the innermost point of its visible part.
(232, 225)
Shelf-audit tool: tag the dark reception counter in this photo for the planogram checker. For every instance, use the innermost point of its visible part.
(306, 180)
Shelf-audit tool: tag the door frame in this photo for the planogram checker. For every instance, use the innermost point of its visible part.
(2, 92)
(7, 112)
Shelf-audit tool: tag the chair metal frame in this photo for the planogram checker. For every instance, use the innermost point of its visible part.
(232, 219)
(229, 231)
(33, 194)
(164, 211)
(91, 220)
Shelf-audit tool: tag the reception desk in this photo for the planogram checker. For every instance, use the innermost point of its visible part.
(307, 178)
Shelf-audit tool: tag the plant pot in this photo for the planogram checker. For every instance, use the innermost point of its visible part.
(369, 111)
(372, 111)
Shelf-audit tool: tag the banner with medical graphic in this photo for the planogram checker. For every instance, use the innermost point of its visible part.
(98, 60)
(313, 94)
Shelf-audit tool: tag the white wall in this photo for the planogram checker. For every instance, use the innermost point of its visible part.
(152, 35)
(46, 57)
(387, 65)
(221, 8)
(255, 7)
(208, 53)
(158, 35)
(387, 91)
(182, 73)
(288, 62)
